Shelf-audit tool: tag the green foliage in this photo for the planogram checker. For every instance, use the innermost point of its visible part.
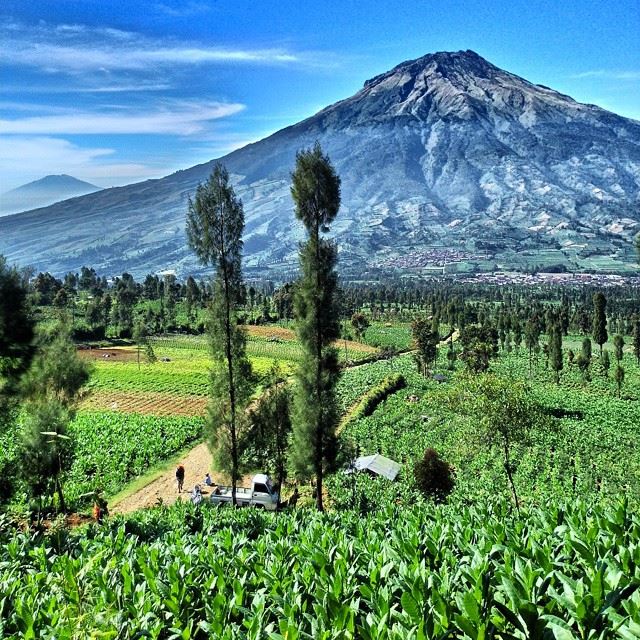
(51, 388)
(506, 413)
(479, 346)
(561, 570)
(426, 339)
(370, 401)
(605, 363)
(360, 324)
(357, 381)
(231, 387)
(386, 334)
(619, 378)
(316, 193)
(215, 221)
(586, 445)
(599, 328)
(618, 346)
(16, 336)
(584, 359)
(555, 350)
(111, 449)
(267, 438)
(315, 189)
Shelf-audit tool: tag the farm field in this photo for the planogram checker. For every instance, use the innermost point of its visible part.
(383, 562)
(558, 571)
(389, 334)
(589, 447)
(134, 416)
(183, 362)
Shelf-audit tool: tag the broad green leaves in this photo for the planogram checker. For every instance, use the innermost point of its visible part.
(432, 572)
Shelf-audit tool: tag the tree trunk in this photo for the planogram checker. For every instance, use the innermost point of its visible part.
(507, 468)
(232, 389)
(62, 505)
(319, 453)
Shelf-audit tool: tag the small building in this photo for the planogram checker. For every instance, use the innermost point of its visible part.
(378, 465)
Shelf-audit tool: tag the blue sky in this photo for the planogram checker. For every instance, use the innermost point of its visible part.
(115, 92)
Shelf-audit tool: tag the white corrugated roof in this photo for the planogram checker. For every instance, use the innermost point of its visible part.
(379, 465)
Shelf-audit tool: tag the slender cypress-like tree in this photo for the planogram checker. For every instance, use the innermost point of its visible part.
(618, 346)
(555, 350)
(316, 192)
(531, 338)
(215, 221)
(619, 379)
(599, 327)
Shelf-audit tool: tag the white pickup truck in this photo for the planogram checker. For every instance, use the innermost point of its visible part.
(261, 494)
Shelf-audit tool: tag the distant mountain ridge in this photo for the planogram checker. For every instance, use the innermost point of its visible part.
(43, 192)
(444, 159)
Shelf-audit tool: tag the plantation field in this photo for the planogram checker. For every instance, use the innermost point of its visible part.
(560, 571)
(589, 447)
(146, 403)
(387, 334)
(383, 563)
(356, 381)
(178, 383)
(113, 448)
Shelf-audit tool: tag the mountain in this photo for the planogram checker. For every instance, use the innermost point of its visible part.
(43, 192)
(446, 158)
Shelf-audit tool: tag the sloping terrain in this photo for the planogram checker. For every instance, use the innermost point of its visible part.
(443, 159)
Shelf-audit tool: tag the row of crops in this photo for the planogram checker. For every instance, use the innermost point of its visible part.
(112, 448)
(563, 571)
(589, 445)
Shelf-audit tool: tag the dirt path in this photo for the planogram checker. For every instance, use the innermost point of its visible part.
(196, 463)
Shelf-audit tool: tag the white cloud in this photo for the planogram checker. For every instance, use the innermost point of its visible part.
(609, 74)
(79, 49)
(176, 118)
(183, 9)
(26, 158)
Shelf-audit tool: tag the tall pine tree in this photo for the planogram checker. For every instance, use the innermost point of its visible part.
(555, 350)
(316, 192)
(599, 327)
(215, 221)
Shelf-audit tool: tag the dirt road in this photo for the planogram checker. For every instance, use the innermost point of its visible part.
(197, 463)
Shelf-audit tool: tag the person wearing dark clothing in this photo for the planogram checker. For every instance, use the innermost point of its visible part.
(180, 477)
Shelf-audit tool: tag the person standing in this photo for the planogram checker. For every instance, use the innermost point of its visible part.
(180, 477)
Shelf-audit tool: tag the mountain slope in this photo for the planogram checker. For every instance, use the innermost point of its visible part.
(43, 192)
(443, 158)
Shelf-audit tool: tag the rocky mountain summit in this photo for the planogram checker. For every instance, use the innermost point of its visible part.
(446, 159)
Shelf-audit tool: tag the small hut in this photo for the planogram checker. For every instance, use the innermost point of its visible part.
(378, 465)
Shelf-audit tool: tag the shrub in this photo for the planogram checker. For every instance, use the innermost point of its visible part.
(375, 396)
(434, 477)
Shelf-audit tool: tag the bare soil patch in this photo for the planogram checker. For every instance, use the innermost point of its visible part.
(119, 354)
(259, 331)
(163, 489)
(147, 403)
